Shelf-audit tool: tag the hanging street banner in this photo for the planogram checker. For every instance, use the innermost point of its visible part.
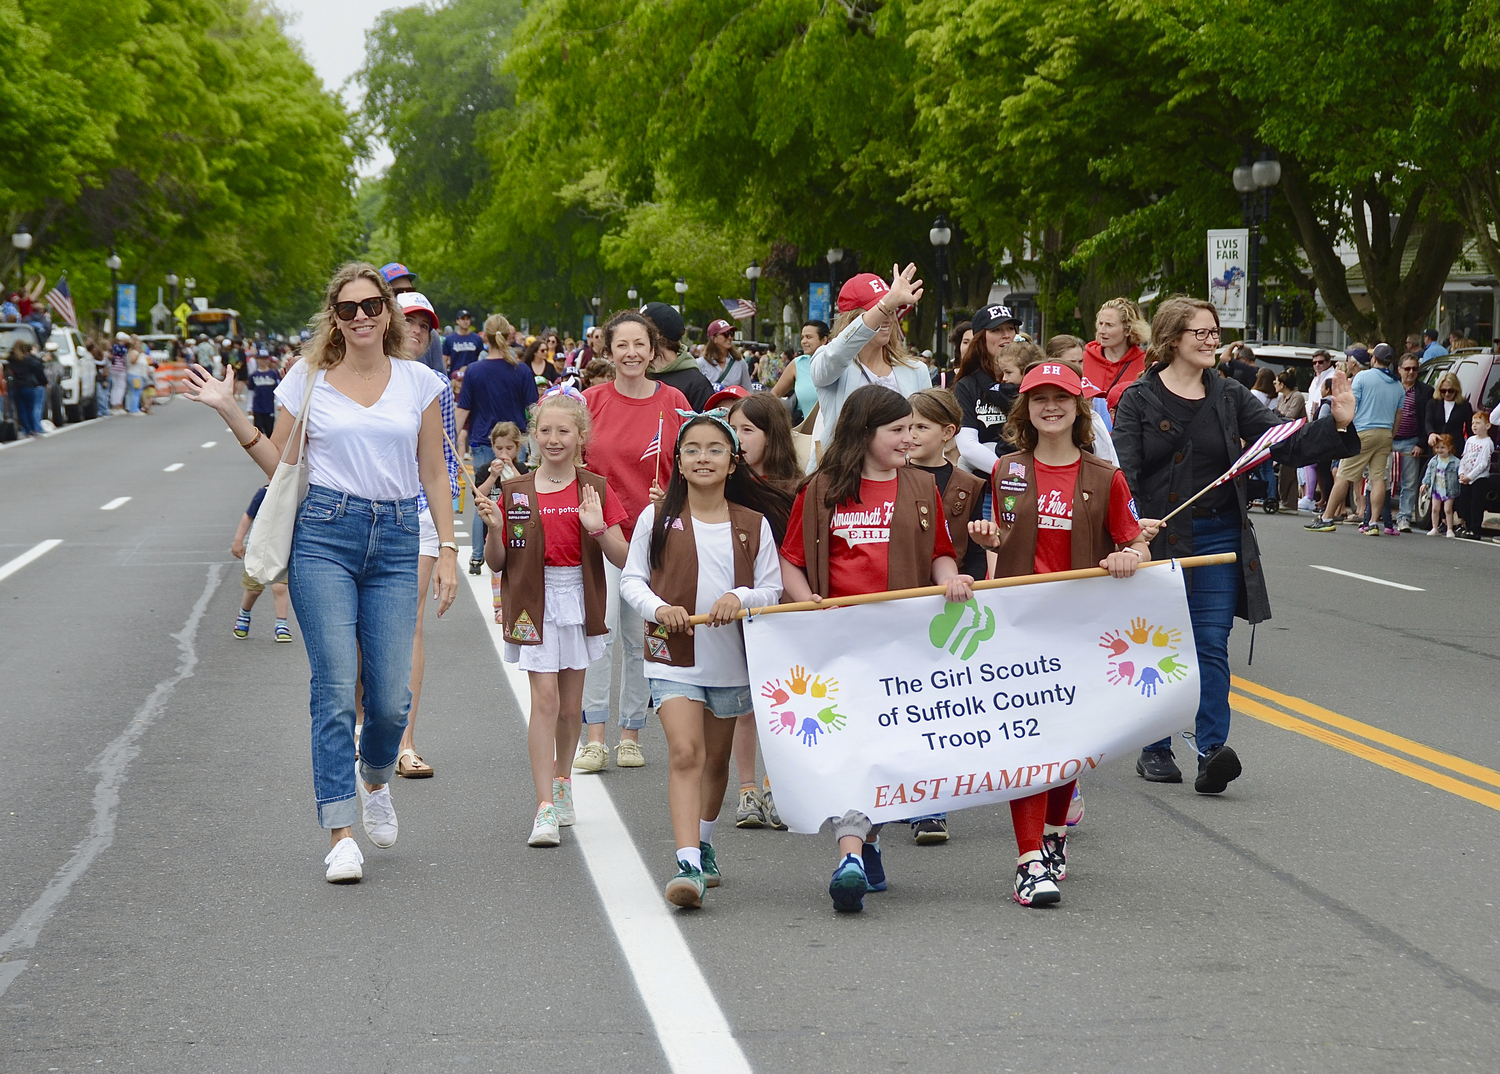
(125, 303)
(818, 304)
(1228, 258)
(917, 706)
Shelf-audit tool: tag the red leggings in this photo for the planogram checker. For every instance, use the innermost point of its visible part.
(1027, 815)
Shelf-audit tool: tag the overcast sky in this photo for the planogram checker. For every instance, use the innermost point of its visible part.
(332, 33)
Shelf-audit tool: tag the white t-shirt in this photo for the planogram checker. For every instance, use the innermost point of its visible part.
(364, 451)
(718, 652)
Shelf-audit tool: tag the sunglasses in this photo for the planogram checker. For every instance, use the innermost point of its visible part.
(346, 311)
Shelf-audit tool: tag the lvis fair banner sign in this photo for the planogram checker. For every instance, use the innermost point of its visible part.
(1228, 253)
(918, 706)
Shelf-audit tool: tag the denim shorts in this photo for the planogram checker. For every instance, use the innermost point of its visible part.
(725, 702)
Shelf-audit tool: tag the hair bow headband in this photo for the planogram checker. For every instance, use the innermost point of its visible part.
(719, 416)
(565, 390)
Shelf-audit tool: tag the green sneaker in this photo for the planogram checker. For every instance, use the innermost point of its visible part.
(686, 888)
(711, 874)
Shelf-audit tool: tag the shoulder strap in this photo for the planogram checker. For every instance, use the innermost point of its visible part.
(299, 429)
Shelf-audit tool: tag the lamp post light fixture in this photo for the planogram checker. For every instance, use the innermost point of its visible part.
(753, 275)
(172, 282)
(189, 285)
(112, 262)
(681, 288)
(940, 235)
(21, 240)
(834, 255)
(1254, 181)
(632, 294)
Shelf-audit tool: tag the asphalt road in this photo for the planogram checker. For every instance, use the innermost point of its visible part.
(162, 879)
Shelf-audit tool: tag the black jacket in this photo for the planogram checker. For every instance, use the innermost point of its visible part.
(1456, 426)
(691, 382)
(1158, 465)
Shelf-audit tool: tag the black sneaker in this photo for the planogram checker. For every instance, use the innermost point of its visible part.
(1321, 525)
(1033, 886)
(932, 830)
(1216, 770)
(476, 566)
(1055, 854)
(1157, 766)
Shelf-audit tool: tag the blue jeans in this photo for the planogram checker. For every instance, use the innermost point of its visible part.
(1411, 477)
(29, 404)
(483, 456)
(1212, 597)
(133, 400)
(353, 579)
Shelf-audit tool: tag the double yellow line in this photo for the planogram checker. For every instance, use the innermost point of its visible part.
(1390, 758)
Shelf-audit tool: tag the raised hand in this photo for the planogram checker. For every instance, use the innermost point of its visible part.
(810, 731)
(1150, 679)
(831, 719)
(1165, 637)
(204, 387)
(1113, 642)
(1124, 671)
(784, 721)
(773, 691)
(590, 510)
(1172, 668)
(1139, 631)
(799, 680)
(824, 689)
(1341, 400)
(906, 289)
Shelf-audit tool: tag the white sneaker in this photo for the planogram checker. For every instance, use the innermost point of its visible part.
(1403, 525)
(544, 828)
(562, 802)
(345, 862)
(379, 814)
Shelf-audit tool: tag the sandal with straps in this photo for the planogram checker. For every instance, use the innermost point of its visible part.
(410, 766)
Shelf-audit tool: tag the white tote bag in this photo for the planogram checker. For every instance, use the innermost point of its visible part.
(270, 550)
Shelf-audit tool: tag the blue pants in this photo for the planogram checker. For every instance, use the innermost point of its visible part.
(29, 405)
(353, 579)
(1212, 598)
(133, 400)
(483, 455)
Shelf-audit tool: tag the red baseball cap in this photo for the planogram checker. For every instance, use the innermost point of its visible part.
(1055, 374)
(862, 292)
(720, 326)
(725, 397)
(416, 302)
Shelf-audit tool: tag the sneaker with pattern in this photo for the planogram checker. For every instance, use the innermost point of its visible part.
(544, 828)
(562, 802)
(710, 870)
(751, 812)
(1034, 887)
(1055, 853)
(686, 888)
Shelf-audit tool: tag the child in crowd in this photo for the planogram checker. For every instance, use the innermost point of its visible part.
(547, 537)
(709, 547)
(1037, 506)
(864, 484)
(1441, 479)
(596, 372)
(254, 589)
(505, 440)
(263, 384)
(1479, 451)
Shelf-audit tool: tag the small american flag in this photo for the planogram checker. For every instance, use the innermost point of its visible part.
(1259, 451)
(653, 449)
(739, 309)
(61, 301)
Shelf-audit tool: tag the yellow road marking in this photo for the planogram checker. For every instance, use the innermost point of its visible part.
(1369, 753)
(1474, 771)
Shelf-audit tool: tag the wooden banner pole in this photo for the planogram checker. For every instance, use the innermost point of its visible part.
(994, 583)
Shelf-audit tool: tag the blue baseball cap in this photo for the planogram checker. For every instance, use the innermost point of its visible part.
(395, 270)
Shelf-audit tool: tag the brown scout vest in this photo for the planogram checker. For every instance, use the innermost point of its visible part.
(909, 554)
(523, 583)
(676, 580)
(958, 503)
(1091, 536)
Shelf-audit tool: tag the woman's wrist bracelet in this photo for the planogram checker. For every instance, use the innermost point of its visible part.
(253, 441)
(600, 532)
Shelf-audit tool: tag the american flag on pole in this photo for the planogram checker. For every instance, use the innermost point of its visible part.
(739, 309)
(61, 301)
(653, 449)
(1259, 451)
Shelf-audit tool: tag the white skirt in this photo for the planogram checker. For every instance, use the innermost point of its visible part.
(564, 644)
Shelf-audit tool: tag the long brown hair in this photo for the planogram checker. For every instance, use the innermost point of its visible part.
(496, 335)
(326, 347)
(1020, 432)
(767, 414)
(866, 409)
(896, 351)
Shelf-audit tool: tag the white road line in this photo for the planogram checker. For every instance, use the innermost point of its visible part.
(692, 1029)
(20, 441)
(7, 569)
(1367, 578)
(209, 443)
(118, 501)
(171, 469)
(110, 765)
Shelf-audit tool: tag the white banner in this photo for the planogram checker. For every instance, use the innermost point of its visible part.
(1228, 254)
(917, 706)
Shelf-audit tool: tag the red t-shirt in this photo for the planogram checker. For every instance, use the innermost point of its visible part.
(624, 431)
(859, 547)
(1054, 511)
(559, 516)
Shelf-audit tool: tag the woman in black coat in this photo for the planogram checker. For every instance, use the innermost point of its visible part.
(1449, 414)
(1177, 429)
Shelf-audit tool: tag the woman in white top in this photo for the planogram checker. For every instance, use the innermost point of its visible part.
(867, 347)
(374, 439)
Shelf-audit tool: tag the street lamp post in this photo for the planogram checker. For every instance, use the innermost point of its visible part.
(112, 262)
(834, 255)
(1254, 182)
(940, 235)
(632, 294)
(595, 301)
(753, 275)
(172, 282)
(21, 240)
(681, 288)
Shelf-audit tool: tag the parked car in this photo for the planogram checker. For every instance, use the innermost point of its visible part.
(1478, 373)
(75, 386)
(1279, 356)
(160, 348)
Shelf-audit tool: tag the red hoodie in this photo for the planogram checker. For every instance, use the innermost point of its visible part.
(1100, 375)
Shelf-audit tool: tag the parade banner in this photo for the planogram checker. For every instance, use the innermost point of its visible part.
(1227, 251)
(917, 706)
